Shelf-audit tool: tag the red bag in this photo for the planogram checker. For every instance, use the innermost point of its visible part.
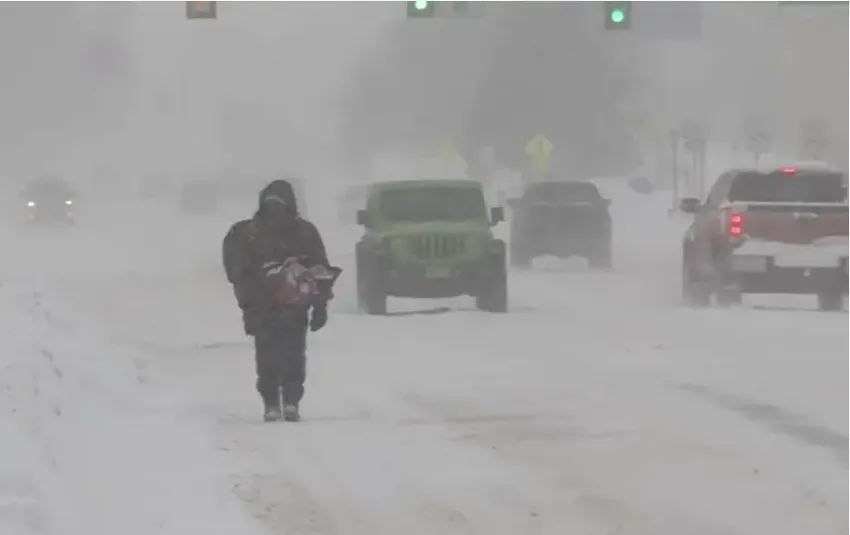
(293, 285)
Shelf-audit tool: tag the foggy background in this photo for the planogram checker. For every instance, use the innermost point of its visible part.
(598, 403)
(132, 96)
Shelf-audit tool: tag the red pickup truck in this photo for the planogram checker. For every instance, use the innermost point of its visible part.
(782, 231)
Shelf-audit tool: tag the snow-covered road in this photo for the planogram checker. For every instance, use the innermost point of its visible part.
(597, 406)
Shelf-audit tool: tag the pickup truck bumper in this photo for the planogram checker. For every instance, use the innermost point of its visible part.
(760, 275)
(562, 244)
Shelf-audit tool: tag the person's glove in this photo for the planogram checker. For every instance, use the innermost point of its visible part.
(318, 318)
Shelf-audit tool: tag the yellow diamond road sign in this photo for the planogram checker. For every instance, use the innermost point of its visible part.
(538, 149)
(446, 150)
(449, 157)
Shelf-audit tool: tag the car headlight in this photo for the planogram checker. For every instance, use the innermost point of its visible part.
(69, 202)
(30, 204)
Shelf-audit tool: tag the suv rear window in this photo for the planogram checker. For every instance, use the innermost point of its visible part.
(801, 186)
(565, 192)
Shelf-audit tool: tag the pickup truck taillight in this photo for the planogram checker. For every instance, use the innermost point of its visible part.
(736, 225)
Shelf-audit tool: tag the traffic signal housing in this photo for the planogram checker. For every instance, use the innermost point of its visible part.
(618, 15)
(421, 9)
(201, 10)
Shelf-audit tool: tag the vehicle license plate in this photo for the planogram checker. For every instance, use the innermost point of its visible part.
(749, 264)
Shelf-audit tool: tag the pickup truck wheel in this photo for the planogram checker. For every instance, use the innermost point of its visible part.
(695, 293)
(729, 297)
(371, 294)
(830, 302)
(493, 296)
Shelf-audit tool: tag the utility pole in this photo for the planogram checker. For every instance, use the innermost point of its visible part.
(675, 138)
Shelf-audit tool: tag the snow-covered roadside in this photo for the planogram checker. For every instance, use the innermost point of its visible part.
(32, 500)
(89, 447)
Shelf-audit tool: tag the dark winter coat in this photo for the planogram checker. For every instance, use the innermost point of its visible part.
(251, 243)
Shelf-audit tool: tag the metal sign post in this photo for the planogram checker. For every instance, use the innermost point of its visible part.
(675, 139)
(814, 140)
(756, 137)
(695, 136)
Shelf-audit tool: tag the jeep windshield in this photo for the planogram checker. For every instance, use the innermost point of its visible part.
(790, 187)
(418, 205)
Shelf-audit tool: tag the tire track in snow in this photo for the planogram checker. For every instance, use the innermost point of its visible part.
(777, 419)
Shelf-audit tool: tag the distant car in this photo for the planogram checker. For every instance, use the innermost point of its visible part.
(198, 197)
(780, 231)
(352, 200)
(49, 201)
(561, 219)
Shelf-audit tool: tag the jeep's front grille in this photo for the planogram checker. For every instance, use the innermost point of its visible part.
(436, 246)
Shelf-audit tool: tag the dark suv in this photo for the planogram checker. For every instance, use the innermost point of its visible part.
(561, 219)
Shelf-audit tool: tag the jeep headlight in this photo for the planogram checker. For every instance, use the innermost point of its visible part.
(31, 204)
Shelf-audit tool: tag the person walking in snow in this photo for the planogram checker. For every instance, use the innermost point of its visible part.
(278, 266)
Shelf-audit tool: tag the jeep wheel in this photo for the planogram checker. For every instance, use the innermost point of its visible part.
(493, 296)
(600, 259)
(830, 302)
(371, 294)
(727, 297)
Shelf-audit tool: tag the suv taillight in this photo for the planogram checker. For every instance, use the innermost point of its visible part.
(736, 225)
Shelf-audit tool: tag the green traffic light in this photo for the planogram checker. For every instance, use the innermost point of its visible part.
(420, 5)
(617, 16)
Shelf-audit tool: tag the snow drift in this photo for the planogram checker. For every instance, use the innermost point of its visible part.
(88, 447)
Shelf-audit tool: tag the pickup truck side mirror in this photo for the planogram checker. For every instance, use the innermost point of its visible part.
(363, 218)
(689, 205)
(497, 215)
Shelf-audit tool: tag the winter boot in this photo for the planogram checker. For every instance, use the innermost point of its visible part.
(290, 412)
(272, 413)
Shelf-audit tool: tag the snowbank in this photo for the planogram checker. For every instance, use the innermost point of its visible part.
(88, 447)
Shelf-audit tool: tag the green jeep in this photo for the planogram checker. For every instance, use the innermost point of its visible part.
(430, 239)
